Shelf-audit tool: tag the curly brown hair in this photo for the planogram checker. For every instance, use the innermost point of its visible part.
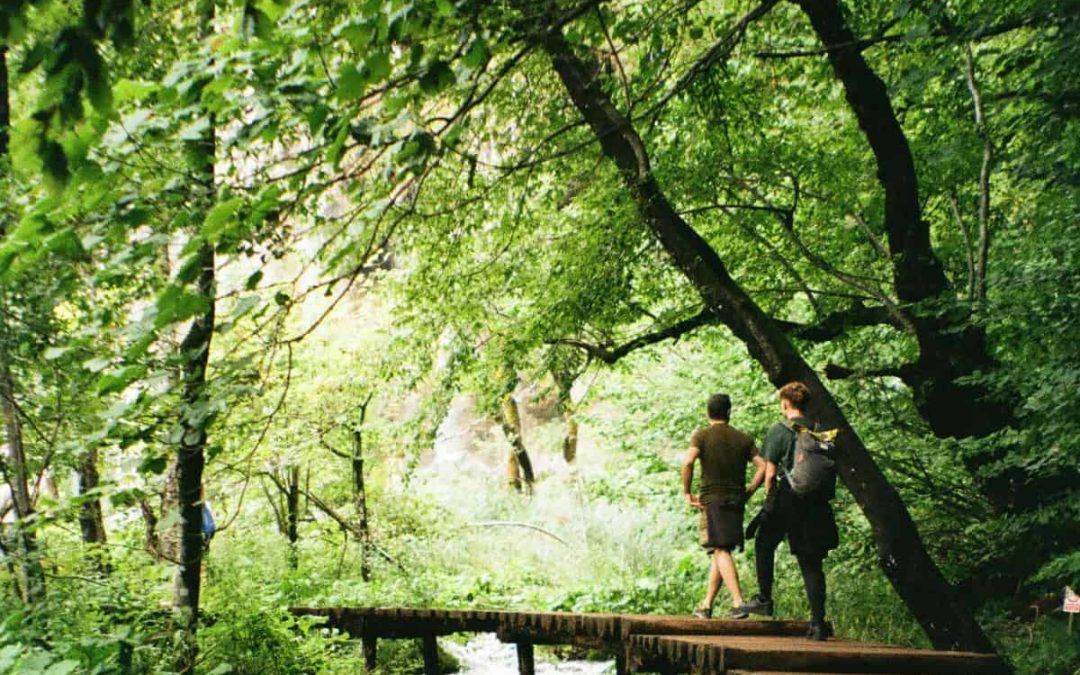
(796, 393)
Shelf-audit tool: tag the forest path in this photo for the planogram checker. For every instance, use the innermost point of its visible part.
(666, 644)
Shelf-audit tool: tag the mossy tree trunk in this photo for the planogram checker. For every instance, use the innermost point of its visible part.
(519, 466)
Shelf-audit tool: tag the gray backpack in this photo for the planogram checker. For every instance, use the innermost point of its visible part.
(814, 462)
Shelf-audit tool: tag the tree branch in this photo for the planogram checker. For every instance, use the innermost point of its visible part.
(984, 173)
(835, 323)
(507, 523)
(837, 372)
(975, 33)
(611, 355)
(719, 51)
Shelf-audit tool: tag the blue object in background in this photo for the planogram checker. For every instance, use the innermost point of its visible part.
(209, 527)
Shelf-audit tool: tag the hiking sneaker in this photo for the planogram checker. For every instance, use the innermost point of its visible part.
(737, 613)
(819, 631)
(757, 605)
(703, 612)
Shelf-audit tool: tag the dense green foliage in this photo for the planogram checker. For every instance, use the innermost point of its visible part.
(410, 220)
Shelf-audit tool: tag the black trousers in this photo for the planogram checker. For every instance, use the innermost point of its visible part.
(769, 536)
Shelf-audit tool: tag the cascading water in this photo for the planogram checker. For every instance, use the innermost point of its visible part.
(485, 655)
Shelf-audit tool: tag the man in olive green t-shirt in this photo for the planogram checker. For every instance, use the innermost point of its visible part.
(724, 453)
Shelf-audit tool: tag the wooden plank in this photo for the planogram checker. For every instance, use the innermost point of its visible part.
(784, 672)
(679, 625)
(717, 653)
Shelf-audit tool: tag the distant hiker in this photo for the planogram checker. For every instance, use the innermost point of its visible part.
(724, 452)
(807, 520)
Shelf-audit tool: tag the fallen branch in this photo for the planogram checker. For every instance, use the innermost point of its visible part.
(510, 523)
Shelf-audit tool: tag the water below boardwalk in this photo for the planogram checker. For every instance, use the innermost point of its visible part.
(485, 655)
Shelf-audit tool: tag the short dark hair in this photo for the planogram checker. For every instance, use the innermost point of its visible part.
(719, 407)
(797, 394)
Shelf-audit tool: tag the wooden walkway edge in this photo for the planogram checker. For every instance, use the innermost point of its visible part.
(654, 643)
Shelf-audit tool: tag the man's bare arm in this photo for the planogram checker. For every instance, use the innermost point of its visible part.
(759, 475)
(688, 475)
(770, 476)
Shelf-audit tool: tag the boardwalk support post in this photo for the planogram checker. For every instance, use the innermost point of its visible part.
(526, 665)
(370, 652)
(431, 655)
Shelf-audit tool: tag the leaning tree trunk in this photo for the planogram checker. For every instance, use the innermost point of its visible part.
(31, 575)
(902, 555)
(195, 350)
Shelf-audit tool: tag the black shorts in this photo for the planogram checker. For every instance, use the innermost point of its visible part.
(720, 526)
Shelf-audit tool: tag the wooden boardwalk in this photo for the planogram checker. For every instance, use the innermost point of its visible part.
(650, 643)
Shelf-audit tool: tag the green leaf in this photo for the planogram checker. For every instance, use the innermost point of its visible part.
(477, 55)
(377, 66)
(62, 667)
(116, 381)
(253, 281)
(153, 464)
(127, 91)
(96, 365)
(196, 130)
(175, 304)
(438, 77)
(53, 353)
(219, 217)
(66, 244)
(351, 82)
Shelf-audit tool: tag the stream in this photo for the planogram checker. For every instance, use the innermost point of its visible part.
(485, 655)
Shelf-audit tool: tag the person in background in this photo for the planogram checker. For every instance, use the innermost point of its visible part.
(724, 453)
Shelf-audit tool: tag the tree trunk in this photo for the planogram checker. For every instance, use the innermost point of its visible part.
(510, 420)
(31, 575)
(360, 494)
(195, 349)
(191, 460)
(569, 446)
(564, 382)
(7, 549)
(902, 555)
(513, 469)
(950, 345)
(91, 521)
(292, 514)
(5, 108)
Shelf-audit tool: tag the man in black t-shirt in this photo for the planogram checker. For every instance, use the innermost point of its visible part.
(806, 521)
(724, 453)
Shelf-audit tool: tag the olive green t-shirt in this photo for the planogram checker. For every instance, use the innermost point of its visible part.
(724, 453)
